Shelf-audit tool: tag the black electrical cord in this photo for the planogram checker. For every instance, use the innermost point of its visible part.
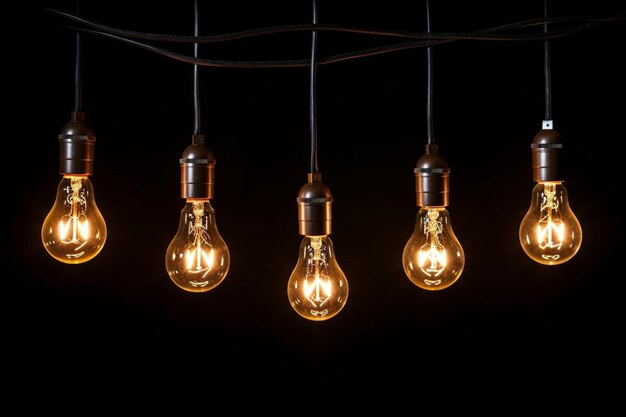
(196, 85)
(480, 35)
(299, 63)
(429, 91)
(78, 73)
(546, 68)
(313, 94)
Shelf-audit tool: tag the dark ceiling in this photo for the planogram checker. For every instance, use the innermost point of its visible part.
(506, 313)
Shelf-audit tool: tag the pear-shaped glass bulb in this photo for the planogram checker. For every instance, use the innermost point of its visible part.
(74, 230)
(433, 258)
(317, 288)
(197, 259)
(550, 232)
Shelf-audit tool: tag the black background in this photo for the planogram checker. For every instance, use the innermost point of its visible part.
(506, 315)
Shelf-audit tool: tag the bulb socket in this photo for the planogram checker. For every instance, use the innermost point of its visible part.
(314, 207)
(76, 146)
(432, 179)
(546, 148)
(197, 170)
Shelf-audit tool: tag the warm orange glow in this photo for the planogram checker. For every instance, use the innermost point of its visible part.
(317, 288)
(74, 230)
(550, 232)
(433, 258)
(319, 291)
(197, 258)
(551, 235)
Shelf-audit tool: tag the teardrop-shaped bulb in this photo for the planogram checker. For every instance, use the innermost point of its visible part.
(433, 258)
(197, 259)
(74, 230)
(550, 232)
(317, 288)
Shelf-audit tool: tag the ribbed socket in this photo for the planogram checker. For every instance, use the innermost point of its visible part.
(197, 170)
(76, 146)
(314, 207)
(546, 148)
(432, 176)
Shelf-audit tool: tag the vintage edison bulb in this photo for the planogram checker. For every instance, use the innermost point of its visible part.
(433, 258)
(74, 230)
(317, 288)
(550, 232)
(197, 259)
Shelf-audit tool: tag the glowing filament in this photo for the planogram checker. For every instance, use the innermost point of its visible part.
(74, 228)
(320, 290)
(550, 232)
(432, 258)
(199, 258)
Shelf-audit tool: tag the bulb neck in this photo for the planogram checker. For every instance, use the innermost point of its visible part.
(197, 170)
(432, 179)
(314, 207)
(546, 149)
(76, 146)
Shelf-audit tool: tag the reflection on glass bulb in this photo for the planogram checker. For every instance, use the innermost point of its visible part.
(317, 288)
(197, 259)
(74, 230)
(433, 258)
(550, 232)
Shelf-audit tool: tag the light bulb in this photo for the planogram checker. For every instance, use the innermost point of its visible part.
(550, 232)
(317, 288)
(433, 258)
(197, 259)
(74, 230)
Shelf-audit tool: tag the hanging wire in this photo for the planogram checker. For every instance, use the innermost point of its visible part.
(546, 68)
(78, 72)
(196, 85)
(484, 35)
(489, 34)
(429, 92)
(313, 94)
